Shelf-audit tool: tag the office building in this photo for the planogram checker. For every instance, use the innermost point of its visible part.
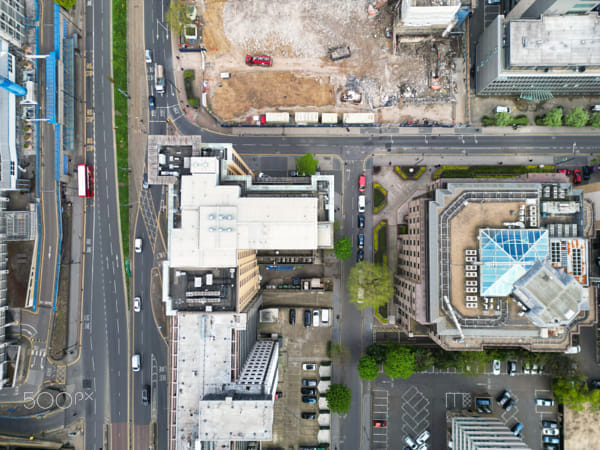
(12, 21)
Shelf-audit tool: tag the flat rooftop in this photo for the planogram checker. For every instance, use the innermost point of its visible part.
(569, 40)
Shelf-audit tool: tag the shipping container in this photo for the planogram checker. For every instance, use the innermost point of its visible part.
(329, 118)
(279, 117)
(359, 118)
(305, 118)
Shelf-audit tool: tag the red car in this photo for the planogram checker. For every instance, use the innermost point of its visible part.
(362, 181)
(258, 60)
(564, 171)
(577, 176)
(379, 423)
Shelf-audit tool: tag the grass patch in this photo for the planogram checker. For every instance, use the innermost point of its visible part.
(380, 242)
(119, 13)
(379, 196)
(498, 171)
(188, 79)
(67, 4)
(382, 318)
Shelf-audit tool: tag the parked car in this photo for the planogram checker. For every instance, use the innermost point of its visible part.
(309, 366)
(138, 245)
(307, 317)
(516, 429)
(360, 255)
(409, 441)
(564, 171)
(137, 304)
(595, 384)
(512, 368)
(306, 415)
(550, 431)
(379, 423)
(362, 182)
(306, 399)
(496, 367)
(151, 102)
(308, 391)
(549, 424)
(586, 173)
(509, 404)
(551, 440)
(361, 221)
(146, 395)
(534, 369)
(577, 176)
(362, 201)
(505, 397)
(526, 368)
(483, 405)
(499, 109)
(309, 382)
(422, 438)
(278, 394)
(316, 318)
(361, 240)
(544, 402)
(292, 317)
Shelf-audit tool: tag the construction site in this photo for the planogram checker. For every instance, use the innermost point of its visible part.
(388, 58)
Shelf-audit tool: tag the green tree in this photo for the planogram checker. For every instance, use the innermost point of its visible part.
(424, 359)
(176, 15)
(370, 285)
(574, 392)
(306, 165)
(339, 398)
(368, 369)
(553, 118)
(399, 361)
(343, 248)
(473, 363)
(595, 120)
(377, 352)
(502, 119)
(577, 118)
(339, 353)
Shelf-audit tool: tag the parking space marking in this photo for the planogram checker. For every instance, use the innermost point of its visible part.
(379, 411)
(415, 412)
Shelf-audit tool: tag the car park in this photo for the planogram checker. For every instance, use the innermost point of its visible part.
(292, 316)
(505, 397)
(138, 245)
(309, 366)
(551, 440)
(496, 367)
(308, 391)
(306, 415)
(137, 304)
(306, 399)
(512, 368)
(362, 182)
(516, 429)
(509, 404)
(550, 431)
(307, 317)
(309, 382)
(409, 441)
(379, 423)
(422, 438)
(361, 240)
(549, 424)
(361, 221)
(315, 318)
(577, 176)
(544, 402)
(360, 255)
(146, 395)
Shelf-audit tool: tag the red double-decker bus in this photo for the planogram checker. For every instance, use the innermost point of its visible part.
(85, 178)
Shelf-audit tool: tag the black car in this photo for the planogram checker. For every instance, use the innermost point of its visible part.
(595, 384)
(146, 395)
(309, 416)
(307, 316)
(586, 173)
(509, 405)
(361, 221)
(308, 382)
(360, 255)
(361, 240)
(308, 391)
(151, 103)
(292, 316)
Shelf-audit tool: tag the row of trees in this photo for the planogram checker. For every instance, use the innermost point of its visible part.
(577, 118)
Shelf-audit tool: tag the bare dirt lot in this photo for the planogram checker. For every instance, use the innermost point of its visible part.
(581, 430)
(297, 35)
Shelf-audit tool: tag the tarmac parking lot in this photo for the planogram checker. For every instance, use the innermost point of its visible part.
(299, 345)
(420, 403)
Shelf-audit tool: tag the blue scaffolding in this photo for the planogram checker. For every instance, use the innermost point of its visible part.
(51, 88)
(69, 97)
(57, 30)
(57, 152)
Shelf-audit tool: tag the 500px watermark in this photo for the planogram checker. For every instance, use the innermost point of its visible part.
(62, 400)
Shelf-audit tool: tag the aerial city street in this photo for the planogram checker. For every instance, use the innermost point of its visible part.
(343, 224)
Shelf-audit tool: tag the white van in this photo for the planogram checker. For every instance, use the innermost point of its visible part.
(325, 317)
(499, 109)
(361, 203)
(225, 75)
(136, 362)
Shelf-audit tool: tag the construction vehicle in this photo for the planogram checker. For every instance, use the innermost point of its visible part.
(337, 53)
(258, 60)
(351, 96)
(434, 77)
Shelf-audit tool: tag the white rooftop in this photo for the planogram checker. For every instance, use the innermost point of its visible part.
(216, 222)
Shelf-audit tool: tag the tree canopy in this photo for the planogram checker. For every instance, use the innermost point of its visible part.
(370, 285)
(574, 393)
(306, 165)
(399, 361)
(339, 398)
(377, 352)
(577, 118)
(176, 15)
(553, 118)
(368, 369)
(343, 248)
(502, 119)
(595, 120)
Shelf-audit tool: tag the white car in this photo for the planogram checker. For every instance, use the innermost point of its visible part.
(422, 438)
(136, 362)
(315, 320)
(138, 245)
(137, 304)
(148, 56)
(496, 367)
(534, 369)
(309, 366)
(544, 402)
(550, 431)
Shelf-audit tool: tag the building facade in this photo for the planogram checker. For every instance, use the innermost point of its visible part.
(474, 432)
(12, 21)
